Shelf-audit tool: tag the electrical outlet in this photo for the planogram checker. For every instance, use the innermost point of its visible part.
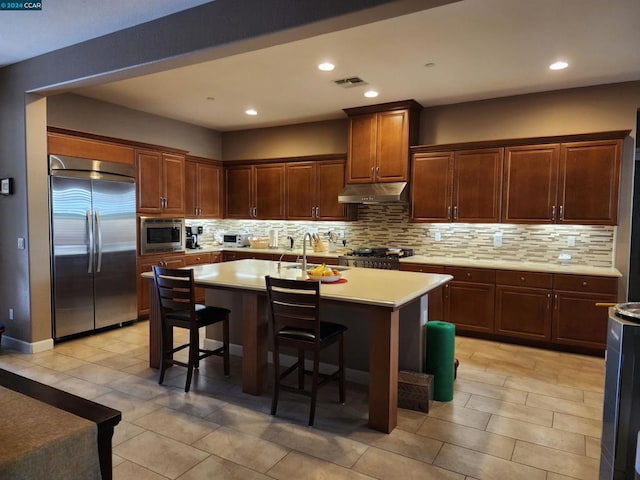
(571, 241)
(497, 239)
(11, 314)
(437, 236)
(340, 233)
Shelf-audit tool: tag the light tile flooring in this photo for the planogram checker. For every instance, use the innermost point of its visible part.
(517, 413)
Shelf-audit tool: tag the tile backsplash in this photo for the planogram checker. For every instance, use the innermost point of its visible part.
(388, 225)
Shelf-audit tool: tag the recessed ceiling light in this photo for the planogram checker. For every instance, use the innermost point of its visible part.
(326, 66)
(251, 111)
(371, 94)
(559, 65)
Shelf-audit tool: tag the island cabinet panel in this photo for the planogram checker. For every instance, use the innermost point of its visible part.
(589, 177)
(524, 304)
(577, 320)
(435, 298)
(312, 190)
(203, 190)
(379, 139)
(530, 184)
(146, 264)
(161, 182)
(200, 259)
(255, 191)
(462, 186)
(470, 299)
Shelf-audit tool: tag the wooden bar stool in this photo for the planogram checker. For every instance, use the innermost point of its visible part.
(295, 322)
(178, 308)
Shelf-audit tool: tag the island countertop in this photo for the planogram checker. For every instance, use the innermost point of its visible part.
(384, 288)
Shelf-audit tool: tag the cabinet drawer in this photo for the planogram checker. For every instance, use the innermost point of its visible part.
(419, 267)
(524, 279)
(197, 258)
(582, 283)
(481, 275)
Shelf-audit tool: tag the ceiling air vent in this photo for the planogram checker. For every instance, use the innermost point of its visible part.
(350, 82)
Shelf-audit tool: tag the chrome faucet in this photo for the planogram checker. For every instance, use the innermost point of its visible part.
(304, 251)
(290, 247)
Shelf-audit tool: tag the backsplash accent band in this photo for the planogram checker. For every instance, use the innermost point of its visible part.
(389, 226)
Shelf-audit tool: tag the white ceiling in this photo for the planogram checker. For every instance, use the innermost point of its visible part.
(481, 49)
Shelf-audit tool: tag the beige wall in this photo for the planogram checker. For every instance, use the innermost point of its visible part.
(289, 141)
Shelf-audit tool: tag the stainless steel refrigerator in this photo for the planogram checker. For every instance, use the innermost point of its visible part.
(93, 244)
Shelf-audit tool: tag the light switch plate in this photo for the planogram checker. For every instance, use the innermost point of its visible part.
(497, 239)
(437, 236)
(571, 241)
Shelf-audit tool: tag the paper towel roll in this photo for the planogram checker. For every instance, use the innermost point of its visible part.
(273, 238)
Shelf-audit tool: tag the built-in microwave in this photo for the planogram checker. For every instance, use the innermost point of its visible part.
(161, 235)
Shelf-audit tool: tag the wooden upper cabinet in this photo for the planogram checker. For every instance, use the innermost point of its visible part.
(89, 148)
(238, 192)
(431, 187)
(160, 182)
(203, 190)
(588, 182)
(477, 185)
(459, 186)
(269, 191)
(530, 184)
(313, 188)
(379, 139)
(255, 191)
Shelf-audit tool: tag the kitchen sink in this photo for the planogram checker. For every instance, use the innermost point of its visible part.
(340, 268)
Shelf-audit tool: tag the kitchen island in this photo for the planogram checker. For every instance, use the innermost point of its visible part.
(380, 294)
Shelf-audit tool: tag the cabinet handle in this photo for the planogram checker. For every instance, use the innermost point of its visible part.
(555, 301)
(373, 173)
(455, 212)
(449, 212)
(255, 212)
(553, 213)
(317, 212)
(378, 172)
(561, 212)
(548, 301)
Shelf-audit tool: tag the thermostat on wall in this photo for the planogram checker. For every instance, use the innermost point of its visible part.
(6, 186)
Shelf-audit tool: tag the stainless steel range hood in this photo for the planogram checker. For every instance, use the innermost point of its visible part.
(392, 192)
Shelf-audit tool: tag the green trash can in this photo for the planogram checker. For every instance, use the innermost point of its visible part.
(441, 357)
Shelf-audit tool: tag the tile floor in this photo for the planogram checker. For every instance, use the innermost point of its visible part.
(517, 413)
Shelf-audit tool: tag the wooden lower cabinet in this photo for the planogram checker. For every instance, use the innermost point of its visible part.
(198, 259)
(145, 264)
(543, 308)
(435, 298)
(523, 304)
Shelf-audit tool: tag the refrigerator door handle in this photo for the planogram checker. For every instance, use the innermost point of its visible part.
(98, 242)
(90, 242)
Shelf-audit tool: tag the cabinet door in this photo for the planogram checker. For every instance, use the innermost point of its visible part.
(589, 177)
(209, 187)
(523, 312)
(477, 185)
(237, 191)
(149, 183)
(431, 187)
(392, 146)
(301, 190)
(578, 321)
(173, 178)
(470, 306)
(361, 160)
(530, 184)
(145, 265)
(198, 259)
(191, 189)
(269, 189)
(330, 176)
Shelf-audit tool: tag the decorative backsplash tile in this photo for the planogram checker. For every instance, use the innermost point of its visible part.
(389, 226)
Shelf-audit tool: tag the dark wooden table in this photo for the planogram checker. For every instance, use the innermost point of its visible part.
(105, 418)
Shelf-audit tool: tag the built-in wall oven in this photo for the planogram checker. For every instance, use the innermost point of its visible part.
(161, 235)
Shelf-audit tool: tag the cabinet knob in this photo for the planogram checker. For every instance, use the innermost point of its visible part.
(468, 275)
(585, 284)
(522, 279)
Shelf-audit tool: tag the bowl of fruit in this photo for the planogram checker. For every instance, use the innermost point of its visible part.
(324, 273)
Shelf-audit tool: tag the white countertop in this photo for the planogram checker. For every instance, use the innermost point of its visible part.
(386, 288)
(549, 267)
